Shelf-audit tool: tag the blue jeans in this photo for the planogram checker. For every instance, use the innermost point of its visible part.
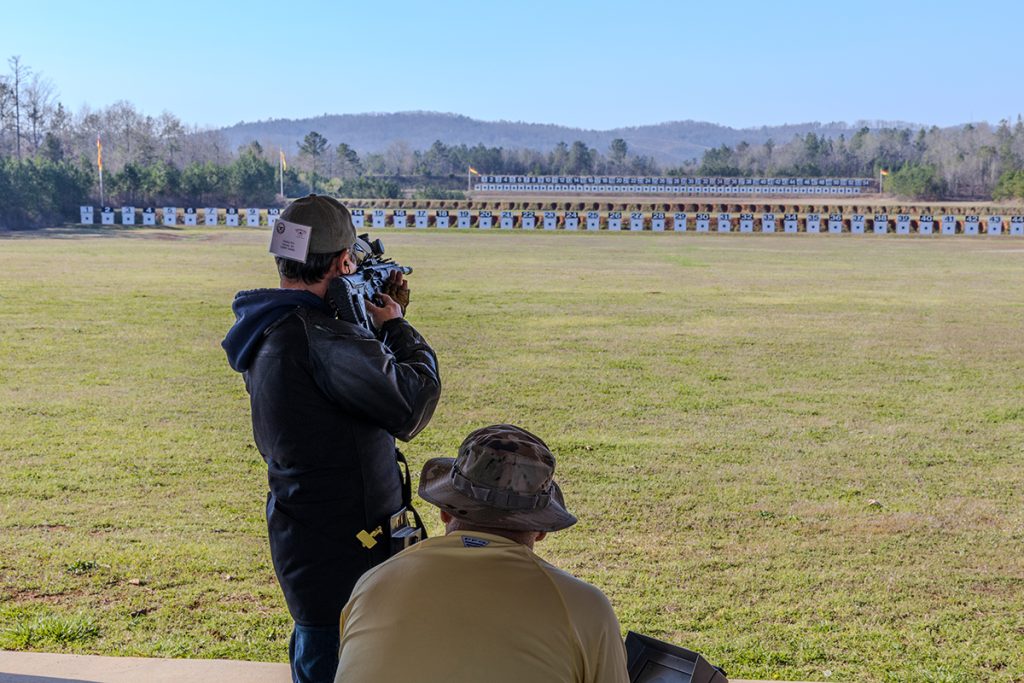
(313, 653)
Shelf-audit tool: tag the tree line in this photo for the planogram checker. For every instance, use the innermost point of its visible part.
(441, 169)
(48, 160)
(975, 161)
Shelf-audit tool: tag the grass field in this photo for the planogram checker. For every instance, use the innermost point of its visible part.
(798, 455)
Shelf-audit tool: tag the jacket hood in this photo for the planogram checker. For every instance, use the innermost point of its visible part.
(256, 310)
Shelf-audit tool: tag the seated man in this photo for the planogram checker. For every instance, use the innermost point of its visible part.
(478, 604)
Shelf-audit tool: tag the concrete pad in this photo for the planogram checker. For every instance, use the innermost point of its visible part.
(38, 667)
(41, 667)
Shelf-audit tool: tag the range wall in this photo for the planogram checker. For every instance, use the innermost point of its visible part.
(717, 217)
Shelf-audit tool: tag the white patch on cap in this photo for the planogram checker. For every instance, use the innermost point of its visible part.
(290, 240)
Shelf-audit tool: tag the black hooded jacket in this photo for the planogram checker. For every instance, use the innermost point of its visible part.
(328, 400)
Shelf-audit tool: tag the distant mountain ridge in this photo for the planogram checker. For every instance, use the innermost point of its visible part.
(671, 142)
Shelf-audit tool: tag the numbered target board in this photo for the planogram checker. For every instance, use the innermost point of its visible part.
(485, 220)
(149, 216)
(724, 222)
(949, 224)
(768, 222)
(995, 225)
(422, 218)
(463, 218)
(636, 220)
(358, 218)
(85, 214)
(615, 220)
(107, 216)
(377, 217)
(170, 215)
(1017, 225)
(400, 218)
(508, 220)
(746, 222)
(925, 224)
(679, 221)
(252, 217)
(657, 221)
(702, 222)
(550, 220)
(593, 220)
(231, 217)
(790, 223)
(442, 219)
(880, 225)
(528, 220)
(127, 215)
(572, 220)
(971, 224)
(835, 223)
(902, 224)
(857, 224)
(210, 215)
(812, 223)
(190, 216)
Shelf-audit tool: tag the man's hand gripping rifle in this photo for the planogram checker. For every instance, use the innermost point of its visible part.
(348, 293)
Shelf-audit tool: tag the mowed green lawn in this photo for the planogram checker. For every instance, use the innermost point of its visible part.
(798, 455)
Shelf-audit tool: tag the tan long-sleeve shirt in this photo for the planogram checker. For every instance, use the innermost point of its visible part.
(472, 607)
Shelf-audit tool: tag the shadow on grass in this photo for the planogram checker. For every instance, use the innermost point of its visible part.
(72, 231)
(25, 678)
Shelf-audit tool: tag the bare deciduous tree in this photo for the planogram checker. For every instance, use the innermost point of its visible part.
(38, 103)
(19, 72)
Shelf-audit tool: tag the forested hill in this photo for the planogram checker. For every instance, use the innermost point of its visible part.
(666, 143)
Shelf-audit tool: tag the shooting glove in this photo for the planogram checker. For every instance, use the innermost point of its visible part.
(399, 293)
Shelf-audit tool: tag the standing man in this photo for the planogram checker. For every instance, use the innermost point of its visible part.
(328, 399)
(478, 604)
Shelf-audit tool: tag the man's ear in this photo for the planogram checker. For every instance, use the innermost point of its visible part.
(541, 535)
(445, 518)
(345, 265)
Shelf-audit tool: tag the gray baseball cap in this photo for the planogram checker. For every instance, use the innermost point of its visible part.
(328, 219)
(503, 478)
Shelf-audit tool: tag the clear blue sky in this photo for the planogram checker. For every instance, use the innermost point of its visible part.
(588, 64)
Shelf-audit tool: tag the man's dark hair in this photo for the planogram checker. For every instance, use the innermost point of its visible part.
(310, 272)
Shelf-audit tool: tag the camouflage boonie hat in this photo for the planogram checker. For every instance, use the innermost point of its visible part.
(502, 478)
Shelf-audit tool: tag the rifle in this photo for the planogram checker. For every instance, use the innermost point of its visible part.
(348, 293)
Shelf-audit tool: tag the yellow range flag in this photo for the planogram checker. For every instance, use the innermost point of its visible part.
(284, 164)
(99, 153)
(884, 171)
(474, 171)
